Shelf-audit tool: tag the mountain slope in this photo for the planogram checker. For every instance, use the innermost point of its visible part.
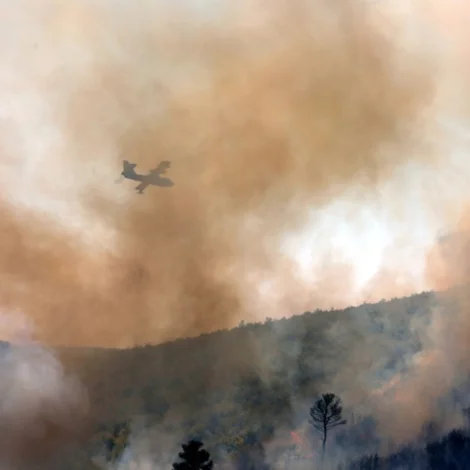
(251, 378)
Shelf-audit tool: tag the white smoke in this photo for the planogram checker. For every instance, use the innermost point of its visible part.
(41, 406)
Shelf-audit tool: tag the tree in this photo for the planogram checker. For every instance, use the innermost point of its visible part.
(193, 457)
(326, 414)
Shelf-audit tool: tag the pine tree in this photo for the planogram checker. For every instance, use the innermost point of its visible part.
(326, 414)
(193, 457)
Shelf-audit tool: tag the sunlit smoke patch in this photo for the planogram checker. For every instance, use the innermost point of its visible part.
(387, 237)
(350, 231)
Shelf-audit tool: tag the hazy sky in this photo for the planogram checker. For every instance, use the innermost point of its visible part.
(86, 84)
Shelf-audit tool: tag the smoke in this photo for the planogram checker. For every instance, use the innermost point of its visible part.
(425, 391)
(42, 410)
(265, 114)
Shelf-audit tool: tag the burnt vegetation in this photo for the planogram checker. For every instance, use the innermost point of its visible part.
(237, 397)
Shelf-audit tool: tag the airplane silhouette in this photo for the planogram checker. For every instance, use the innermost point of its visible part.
(151, 178)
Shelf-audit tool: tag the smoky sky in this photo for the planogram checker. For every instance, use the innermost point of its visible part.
(264, 112)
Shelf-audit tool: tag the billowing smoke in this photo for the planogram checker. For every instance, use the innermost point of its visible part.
(264, 112)
(426, 390)
(42, 409)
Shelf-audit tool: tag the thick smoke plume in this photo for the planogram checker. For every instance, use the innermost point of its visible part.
(264, 112)
(425, 392)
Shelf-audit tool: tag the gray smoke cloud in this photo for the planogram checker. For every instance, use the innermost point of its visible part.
(43, 410)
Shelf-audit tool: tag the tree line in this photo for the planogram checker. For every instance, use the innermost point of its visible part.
(325, 415)
(450, 452)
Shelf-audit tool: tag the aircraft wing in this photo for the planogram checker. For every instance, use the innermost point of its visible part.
(161, 181)
(162, 167)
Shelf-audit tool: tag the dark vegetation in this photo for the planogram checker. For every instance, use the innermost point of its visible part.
(194, 457)
(238, 391)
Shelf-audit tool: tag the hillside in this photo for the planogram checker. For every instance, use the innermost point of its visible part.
(256, 378)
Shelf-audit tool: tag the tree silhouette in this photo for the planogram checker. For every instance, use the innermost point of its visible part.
(193, 457)
(326, 414)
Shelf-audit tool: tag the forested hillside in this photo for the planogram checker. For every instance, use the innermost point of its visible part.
(254, 383)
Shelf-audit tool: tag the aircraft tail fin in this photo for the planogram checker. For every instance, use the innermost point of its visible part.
(127, 166)
(128, 171)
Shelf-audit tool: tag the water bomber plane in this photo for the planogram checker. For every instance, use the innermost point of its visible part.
(152, 178)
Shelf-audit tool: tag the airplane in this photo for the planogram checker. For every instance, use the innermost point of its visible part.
(151, 178)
